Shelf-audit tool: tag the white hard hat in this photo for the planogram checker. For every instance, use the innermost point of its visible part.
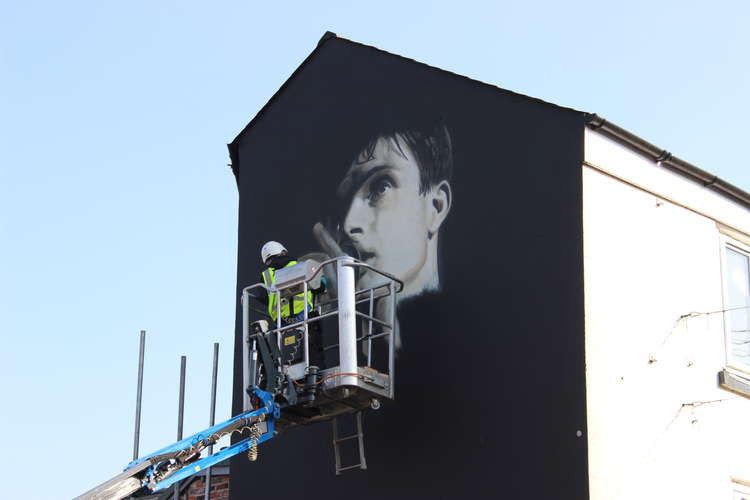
(270, 249)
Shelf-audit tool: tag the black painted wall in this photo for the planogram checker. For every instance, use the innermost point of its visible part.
(491, 385)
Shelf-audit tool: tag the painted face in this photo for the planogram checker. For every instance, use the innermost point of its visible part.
(387, 219)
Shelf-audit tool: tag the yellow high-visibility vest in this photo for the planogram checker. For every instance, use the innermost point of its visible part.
(269, 279)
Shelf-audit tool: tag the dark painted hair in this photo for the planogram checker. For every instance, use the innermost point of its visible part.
(430, 143)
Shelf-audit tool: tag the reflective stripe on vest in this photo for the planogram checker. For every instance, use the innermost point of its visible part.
(269, 279)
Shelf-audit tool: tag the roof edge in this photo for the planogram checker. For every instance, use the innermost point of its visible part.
(666, 159)
(464, 77)
(328, 35)
(233, 153)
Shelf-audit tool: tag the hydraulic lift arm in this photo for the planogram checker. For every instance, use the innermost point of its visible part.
(282, 387)
(180, 460)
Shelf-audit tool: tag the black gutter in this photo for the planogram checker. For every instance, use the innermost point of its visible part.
(665, 158)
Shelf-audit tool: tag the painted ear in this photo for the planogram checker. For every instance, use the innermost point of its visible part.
(440, 198)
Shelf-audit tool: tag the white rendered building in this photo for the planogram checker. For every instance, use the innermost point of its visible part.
(667, 294)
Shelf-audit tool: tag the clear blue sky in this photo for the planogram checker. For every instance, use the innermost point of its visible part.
(118, 211)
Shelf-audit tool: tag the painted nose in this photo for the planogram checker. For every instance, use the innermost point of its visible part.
(358, 218)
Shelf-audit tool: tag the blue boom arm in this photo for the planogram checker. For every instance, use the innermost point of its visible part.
(178, 461)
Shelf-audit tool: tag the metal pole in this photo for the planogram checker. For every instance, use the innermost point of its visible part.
(207, 494)
(369, 331)
(181, 407)
(246, 364)
(278, 318)
(180, 415)
(392, 346)
(139, 395)
(347, 321)
(305, 337)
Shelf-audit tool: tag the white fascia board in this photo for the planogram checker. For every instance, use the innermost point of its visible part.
(625, 164)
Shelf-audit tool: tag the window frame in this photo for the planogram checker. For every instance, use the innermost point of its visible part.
(740, 489)
(742, 247)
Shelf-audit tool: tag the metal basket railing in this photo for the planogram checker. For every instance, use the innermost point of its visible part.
(343, 306)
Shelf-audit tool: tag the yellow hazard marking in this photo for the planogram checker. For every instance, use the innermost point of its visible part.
(197, 468)
(290, 340)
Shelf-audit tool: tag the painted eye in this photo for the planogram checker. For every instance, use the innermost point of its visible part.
(378, 188)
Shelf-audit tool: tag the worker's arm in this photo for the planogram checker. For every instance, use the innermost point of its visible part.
(322, 288)
(332, 249)
(260, 296)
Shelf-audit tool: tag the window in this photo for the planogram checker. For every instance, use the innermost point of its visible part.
(740, 491)
(737, 305)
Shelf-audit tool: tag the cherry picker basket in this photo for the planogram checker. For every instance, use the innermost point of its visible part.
(354, 372)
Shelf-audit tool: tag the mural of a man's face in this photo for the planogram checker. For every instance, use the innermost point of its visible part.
(392, 224)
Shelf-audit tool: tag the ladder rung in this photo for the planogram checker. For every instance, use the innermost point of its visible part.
(359, 436)
(347, 438)
(342, 469)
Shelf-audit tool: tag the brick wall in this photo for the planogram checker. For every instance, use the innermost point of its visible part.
(219, 488)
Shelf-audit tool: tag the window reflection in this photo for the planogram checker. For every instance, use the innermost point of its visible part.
(738, 281)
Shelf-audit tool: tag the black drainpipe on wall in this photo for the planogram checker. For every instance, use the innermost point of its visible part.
(665, 158)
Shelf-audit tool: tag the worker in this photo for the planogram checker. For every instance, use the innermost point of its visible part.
(275, 256)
